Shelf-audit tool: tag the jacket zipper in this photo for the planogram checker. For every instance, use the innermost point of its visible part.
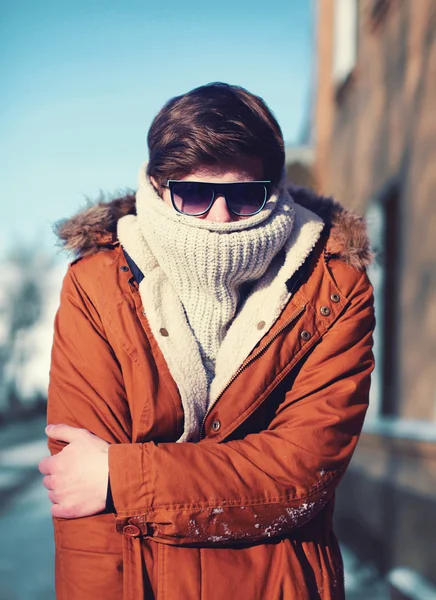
(244, 365)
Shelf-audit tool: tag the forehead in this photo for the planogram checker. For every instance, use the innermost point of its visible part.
(245, 169)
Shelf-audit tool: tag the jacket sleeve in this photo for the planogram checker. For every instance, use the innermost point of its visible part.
(268, 483)
(86, 390)
(86, 387)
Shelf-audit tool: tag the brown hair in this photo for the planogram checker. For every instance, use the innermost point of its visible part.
(214, 124)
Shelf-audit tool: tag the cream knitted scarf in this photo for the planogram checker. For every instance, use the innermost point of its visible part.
(196, 275)
(208, 263)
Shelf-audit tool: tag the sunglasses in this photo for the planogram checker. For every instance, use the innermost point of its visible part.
(195, 198)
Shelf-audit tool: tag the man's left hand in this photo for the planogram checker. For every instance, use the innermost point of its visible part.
(76, 477)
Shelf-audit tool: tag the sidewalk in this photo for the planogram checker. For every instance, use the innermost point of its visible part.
(362, 582)
(22, 446)
(26, 532)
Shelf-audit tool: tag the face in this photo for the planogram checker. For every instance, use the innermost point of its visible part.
(247, 170)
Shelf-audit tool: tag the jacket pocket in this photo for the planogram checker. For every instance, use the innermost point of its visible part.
(89, 558)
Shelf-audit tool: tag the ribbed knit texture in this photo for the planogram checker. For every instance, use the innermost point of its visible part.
(208, 263)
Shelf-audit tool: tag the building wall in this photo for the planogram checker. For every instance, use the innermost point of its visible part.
(375, 151)
(376, 133)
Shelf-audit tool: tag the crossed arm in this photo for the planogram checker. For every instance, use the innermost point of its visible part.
(265, 484)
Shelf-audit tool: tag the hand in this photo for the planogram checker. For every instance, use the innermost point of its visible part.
(77, 476)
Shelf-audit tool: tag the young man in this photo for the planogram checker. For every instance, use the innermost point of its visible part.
(210, 371)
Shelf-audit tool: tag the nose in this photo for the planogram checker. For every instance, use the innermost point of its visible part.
(219, 211)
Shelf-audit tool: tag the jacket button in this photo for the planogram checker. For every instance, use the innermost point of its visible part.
(324, 310)
(305, 335)
(164, 332)
(124, 268)
(261, 325)
(334, 298)
(132, 530)
(216, 425)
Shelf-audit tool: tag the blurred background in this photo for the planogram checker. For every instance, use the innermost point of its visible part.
(353, 85)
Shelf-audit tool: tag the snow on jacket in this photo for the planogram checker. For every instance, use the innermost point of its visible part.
(247, 511)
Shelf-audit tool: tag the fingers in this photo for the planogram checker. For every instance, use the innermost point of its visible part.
(64, 433)
(47, 482)
(52, 497)
(45, 466)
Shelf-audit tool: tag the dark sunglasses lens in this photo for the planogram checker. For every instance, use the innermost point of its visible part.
(246, 198)
(192, 198)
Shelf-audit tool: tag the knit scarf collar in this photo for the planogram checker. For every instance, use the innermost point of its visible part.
(210, 264)
(167, 317)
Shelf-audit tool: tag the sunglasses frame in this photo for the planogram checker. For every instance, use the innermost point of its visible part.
(172, 182)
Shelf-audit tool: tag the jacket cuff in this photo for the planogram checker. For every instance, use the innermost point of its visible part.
(129, 478)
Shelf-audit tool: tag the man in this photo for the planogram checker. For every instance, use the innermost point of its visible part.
(210, 371)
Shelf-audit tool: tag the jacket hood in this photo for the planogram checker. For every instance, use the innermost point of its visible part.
(94, 228)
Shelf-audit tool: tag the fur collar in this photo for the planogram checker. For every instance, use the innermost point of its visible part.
(94, 228)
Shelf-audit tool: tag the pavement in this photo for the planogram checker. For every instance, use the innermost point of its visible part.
(362, 581)
(26, 531)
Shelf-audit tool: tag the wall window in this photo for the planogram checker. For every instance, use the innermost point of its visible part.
(344, 39)
(383, 228)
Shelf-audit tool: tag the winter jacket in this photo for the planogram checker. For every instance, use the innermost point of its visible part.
(247, 511)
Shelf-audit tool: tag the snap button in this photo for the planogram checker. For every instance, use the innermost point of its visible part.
(124, 268)
(334, 298)
(216, 425)
(164, 332)
(324, 310)
(261, 325)
(132, 530)
(305, 335)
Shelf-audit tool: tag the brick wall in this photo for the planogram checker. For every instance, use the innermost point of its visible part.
(375, 149)
(377, 133)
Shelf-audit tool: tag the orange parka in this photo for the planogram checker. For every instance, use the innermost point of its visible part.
(246, 512)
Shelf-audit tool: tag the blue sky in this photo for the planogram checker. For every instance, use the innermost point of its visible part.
(83, 79)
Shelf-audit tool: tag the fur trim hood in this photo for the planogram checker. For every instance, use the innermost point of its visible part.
(95, 228)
